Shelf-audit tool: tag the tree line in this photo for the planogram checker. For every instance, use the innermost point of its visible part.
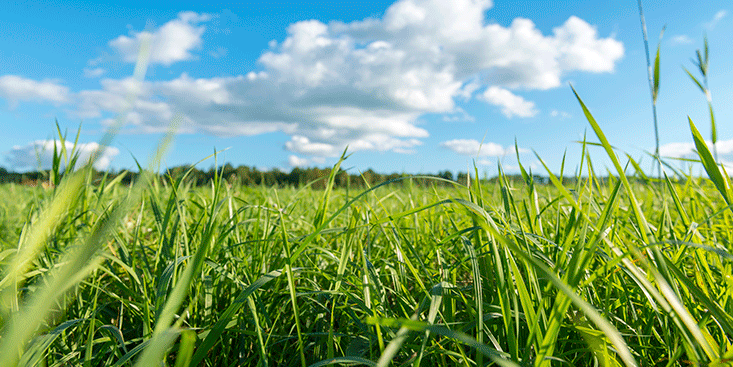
(251, 176)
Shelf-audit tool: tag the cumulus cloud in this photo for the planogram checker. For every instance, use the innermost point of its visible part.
(363, 84)
(687, 149)
(16, 89)
(471, 147)
(510, 103)
(676, 150)
(295, 161)
(301, 144)
(170, 43)
(39, 154)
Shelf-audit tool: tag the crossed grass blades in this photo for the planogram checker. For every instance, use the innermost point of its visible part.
(619, 270)
(616, 270)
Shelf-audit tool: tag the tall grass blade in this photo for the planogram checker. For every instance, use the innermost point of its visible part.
(321, 213)
(708, 162)
(653, 75)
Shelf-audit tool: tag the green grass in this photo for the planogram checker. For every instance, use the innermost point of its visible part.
(616, 270)
(608, 272)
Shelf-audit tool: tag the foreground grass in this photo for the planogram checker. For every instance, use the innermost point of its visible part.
(512, 273)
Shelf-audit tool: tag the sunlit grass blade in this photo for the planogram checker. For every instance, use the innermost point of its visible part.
(638, 214)
(711, 167)
(321, 212)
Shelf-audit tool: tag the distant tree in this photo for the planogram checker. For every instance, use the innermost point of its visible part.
(448, 175)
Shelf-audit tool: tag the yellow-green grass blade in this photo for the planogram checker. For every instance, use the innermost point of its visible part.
(711, 167)
(677, 202)
(321, 213)
(638, 214)
(694, 79)
(637, 168)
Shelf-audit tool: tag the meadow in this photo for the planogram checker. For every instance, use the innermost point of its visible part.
(623, 269)
(614, 271)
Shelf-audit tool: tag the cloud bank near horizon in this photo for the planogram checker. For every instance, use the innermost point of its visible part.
(39, 154)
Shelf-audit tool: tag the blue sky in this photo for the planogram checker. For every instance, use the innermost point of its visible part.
(415, 86)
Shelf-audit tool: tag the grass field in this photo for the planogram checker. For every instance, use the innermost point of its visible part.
(606, 272)
(619, 270)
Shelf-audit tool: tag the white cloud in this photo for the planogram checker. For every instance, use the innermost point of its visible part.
(681, 40)
(676, 150)
(466, 92)
(716, 18)
(364, 84)
(688, 149)
(457, 115)
(295, 161)
(170, 43)
(471, 147)
(16, 89)
(117, 96)
(510, 103)
(723, 146)
(301, 144)
(94, 72)
(39, 154)
(580, 49)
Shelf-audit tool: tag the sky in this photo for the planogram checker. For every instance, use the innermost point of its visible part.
(411, 86)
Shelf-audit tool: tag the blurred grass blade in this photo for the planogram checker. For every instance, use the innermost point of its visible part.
(694, 79)
(185, 348)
